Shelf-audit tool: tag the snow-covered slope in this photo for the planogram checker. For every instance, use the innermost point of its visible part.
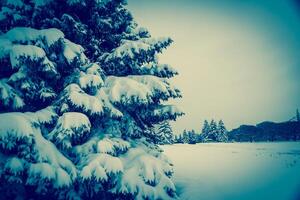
(236, 171)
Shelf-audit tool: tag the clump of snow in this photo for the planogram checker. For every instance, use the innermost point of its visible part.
(79, 99)
(114, 112)
(92, 68)
(20, 128)
(44, 116)
(138, 89)
(156, 85)
(47, 172)
(145, 176)
(112, 146)
(47, 152)
(9, 96)
(51, 35)
(125, 90)
(160, 70)
(63, 179)
(22, 34)
(90, 80)
(110, 164)
(128, 48)
(5, 47)
(100, 166)
(31, 52)
(74, 120)
(40, 171)
(93, 170)
(14, 165)
(27, 35)
(105, 146)
(120, 144)
(70, 126)
(72, 51)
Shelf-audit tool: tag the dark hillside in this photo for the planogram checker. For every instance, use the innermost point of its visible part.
(266, 131)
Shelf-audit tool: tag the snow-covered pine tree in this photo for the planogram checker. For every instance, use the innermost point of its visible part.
(178, 138)
(185, 137)
(205, 131)
(80, 90)
(213, 132)
(165, 133)
(222, 135)
(205, 128)
(192, 137)
(175, 139)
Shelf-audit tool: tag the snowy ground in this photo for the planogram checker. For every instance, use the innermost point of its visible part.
(236, 171)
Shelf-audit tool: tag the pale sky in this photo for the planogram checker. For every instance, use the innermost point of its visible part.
(238, 60)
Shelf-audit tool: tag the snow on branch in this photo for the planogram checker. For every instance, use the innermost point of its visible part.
(167, 112)
(21, 54)
(112, 146)
(44, 116)
(9, 97)
(27, 35)
(129, 57)
(17, 126)
(90, 81)
(46, 152)
(112, 110)
(138, 89)
(100, 166)
(75, 97)
(47, 160)
(21, 128)
(145, 176)
(73, 51)
(93, 69)
(70, 129)
(160, 70)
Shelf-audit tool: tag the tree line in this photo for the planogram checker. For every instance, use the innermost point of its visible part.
(216, 132)
(211, 132)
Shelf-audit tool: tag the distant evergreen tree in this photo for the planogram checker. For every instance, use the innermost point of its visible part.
(192, 137)
(205, 131)
(221, 132)
(206, 127)
(165, 133)
(185, 137)
(179, 139)
(213, 132)
(212, 136)
(175, 139)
